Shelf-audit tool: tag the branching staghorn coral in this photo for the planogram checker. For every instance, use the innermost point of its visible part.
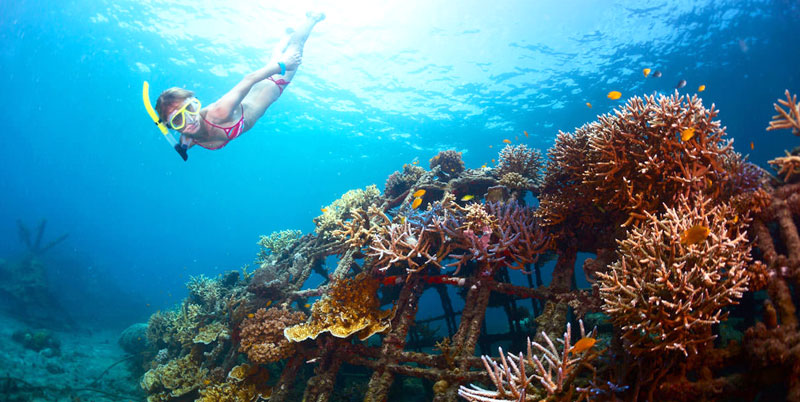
(276, 243)
(633, 161)
(550, 373)
(665, 293)
(788, 166)
(784, 119)
(343, 208)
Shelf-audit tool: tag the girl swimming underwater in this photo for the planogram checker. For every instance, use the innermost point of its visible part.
(236, 112)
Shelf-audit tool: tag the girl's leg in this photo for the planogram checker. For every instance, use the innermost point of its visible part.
(264, 93)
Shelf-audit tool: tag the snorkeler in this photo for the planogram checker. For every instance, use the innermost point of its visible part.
(238, 110)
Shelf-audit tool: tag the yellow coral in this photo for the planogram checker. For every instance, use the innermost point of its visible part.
(351, 307)
(211, 332)
(342, 208)
(176, 378)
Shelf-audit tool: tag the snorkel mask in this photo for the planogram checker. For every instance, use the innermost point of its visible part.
(170, 137)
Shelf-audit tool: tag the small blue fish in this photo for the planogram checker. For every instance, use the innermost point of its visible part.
(681, 84)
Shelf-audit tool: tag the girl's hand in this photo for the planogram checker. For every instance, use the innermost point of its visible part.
(292, 60)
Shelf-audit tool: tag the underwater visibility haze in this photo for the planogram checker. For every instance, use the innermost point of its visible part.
(116, 255)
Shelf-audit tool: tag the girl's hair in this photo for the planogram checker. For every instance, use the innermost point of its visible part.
(169, 97)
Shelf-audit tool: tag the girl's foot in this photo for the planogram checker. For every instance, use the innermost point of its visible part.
(316, 17)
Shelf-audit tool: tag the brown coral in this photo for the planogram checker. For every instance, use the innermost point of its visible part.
(784, 119)
(449, 163)
(262, 335)
(632, 161)
(350, 307)
(400, 182)
(664, 293)
(521, 160)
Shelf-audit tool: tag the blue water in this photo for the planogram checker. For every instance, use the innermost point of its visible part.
(382, 83)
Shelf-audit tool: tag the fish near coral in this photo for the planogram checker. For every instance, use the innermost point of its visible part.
(614, 95)
(646, 72)
(507, 141)
(695, 234)
(418, 193)
(701, 88)
(687, 134)
(657, 74)
(526, 133)
(417, 202)
(583, 344)
(681, 84)
(467, 197)
(589, 105)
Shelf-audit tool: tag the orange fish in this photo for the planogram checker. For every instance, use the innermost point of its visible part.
(736, 219)
(701, 88)
(323, 210)
(687, 134)
(251, 315)
(589, 105)
(206, 382)
(752, 145)
(269, 302)
(694, 235)
(418, 193)
(483, 166)
(583, 344)
(416, 203)
(507, 141)
(614, 95)
(307, 305)
(646, 72)
(415, 162)
(526, 134)
(493, 161)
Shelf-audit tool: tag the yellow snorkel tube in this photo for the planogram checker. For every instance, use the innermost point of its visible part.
(161, 126)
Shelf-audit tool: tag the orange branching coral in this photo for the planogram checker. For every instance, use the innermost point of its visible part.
(351, 306)
(784, 119)
(788, 165)
(669, 286)
(262, 335)
(630, 162)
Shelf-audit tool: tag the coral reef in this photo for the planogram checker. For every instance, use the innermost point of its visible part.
(343, 208)
(350, 307)
(784, 119)
(262, 334)
(663, 293)
(277, 243)
(448, 164)
(682, 230)
(400, 182)
(519, 159)
(554, 369)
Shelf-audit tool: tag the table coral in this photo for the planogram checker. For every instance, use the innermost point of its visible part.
(262, 335)
(664, 293)
(351, 306)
